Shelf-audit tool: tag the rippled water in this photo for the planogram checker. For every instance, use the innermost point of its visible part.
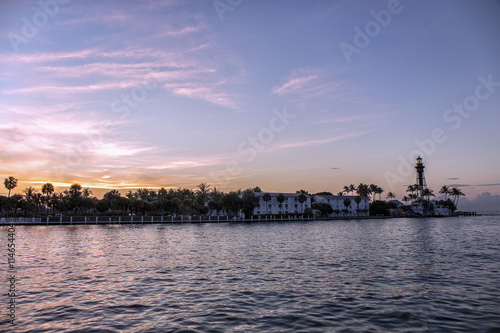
(325, 276)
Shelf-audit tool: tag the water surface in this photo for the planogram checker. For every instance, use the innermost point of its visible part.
(326, 276)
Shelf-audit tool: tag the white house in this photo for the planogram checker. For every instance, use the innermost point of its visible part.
(291, 204)
(418, 208)
(441, 210)
(337, 203)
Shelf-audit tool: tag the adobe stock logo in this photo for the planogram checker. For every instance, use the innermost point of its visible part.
(39, 20)
(122, 107)
(372, 29)
(453, 116)
(254, 144)
(222, 6)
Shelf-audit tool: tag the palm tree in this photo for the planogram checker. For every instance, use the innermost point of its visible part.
(444, 190)
(232, 202)
(10, 183)
(363, 190)
(346, 189)
(162, 193)
(373, 189)
(406, 199)
(215, 192)
(202, 197)
(411, 188)
(47, 190)
(304, 192)
(74, 195)
(340, 193)
(203, 188)
(16, 202)
(457, 193)
(249, 202)
(357, 199)
(266, 197)
(281, 199)
(391, 195)
(29, 192)
(75, 190)
(37, 200)
(86, 193)
(347, 203)
(428, 193)
(302, 198)
(352, 188)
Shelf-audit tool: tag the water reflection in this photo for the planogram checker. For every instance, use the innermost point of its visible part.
(381, 275)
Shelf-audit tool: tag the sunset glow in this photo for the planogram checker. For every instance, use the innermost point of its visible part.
(125, 95)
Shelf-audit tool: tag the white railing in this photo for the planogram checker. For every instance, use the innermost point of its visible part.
(59, 220)
(23, 220)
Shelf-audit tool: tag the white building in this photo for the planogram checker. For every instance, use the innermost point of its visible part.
(337, 203)
(420, 209)
(291, 204)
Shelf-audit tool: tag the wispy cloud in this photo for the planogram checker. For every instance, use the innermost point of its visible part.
(294, 84)
(155, 4)
(187, 162)
(348, 119)
(46, 142)
(474, 185)
(309, 83)
(118, 149)
(297, 144)
(183, 76)
(42, 57)
(201, 92)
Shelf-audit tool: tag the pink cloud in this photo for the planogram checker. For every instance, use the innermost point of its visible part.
(309, 83)
(297, 144)
(181, 75)
(206, 94)
(293, 85)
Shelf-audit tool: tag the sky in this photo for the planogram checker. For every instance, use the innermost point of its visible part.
(284, 95)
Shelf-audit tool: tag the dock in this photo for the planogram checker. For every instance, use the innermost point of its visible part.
(466, 214)
(93, 220)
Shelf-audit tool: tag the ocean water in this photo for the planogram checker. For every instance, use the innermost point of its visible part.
(394, 275)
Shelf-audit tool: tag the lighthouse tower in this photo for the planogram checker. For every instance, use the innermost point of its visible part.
(420, 177)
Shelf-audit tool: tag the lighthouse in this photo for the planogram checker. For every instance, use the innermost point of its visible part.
(421, 206)
(420, 177)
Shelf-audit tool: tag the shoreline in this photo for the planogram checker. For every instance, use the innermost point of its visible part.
(135, 220)
(164, 220)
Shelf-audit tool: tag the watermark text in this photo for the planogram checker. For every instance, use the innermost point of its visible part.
(40, 19)
(452, 116)
(11, 273)
(253, 144)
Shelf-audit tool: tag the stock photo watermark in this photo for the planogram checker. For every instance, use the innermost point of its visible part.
(122, 107)
(223, 6)
(252, 145)
(454, 118)
(11, 273)
(31, 27)
(373, 28)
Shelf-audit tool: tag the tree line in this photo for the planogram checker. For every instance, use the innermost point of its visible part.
(204, 200)
(80, 201)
